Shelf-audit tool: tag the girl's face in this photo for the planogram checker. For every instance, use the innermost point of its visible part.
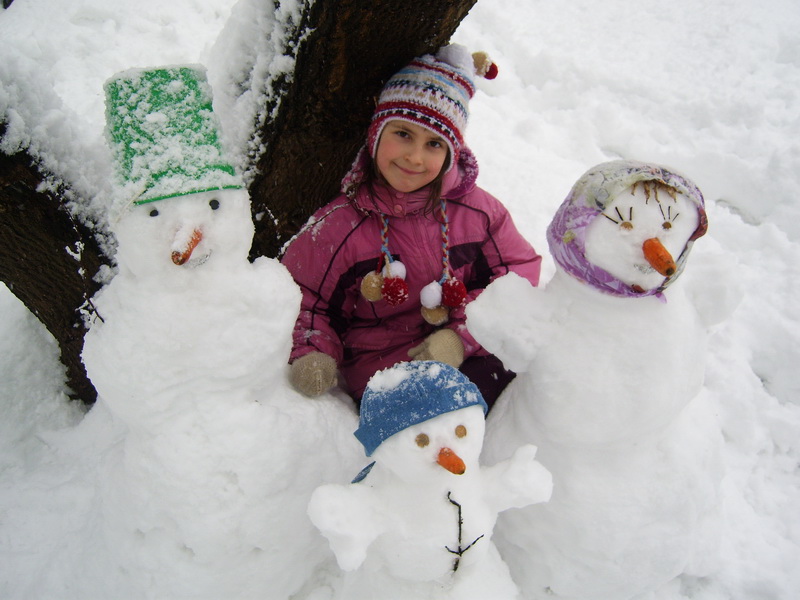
(409, 156)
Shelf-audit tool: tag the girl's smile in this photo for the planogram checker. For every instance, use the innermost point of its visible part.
(409, 156)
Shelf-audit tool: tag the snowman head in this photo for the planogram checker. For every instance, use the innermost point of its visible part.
(178, 201)
(204, 231)
(421, 417)
(626, 228)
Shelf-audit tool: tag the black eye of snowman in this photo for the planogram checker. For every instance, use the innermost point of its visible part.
(461, 431)
(154, 212)
(624, 223)
(214, 204)
(422, 440)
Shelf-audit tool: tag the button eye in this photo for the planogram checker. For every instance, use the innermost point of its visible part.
(422, 440)
(461, 431)
(214, 204)
(154, 212)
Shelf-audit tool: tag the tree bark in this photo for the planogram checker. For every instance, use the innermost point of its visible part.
(345, 50)
(353, 48)
(48, 260)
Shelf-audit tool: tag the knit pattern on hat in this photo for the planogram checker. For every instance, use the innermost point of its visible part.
(411, 393)
(599, 186)
(432, 92)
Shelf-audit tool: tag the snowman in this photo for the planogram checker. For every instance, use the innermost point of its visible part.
(610, 370)
(417, 522)
(205, 494)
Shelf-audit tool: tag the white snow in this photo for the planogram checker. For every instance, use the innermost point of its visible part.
(710, 89)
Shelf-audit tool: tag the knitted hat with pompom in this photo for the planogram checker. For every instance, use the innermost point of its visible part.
(410, 393)
(433, 92)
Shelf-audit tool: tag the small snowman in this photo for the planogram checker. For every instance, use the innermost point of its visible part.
(205, 495)
(610, 370)
(417, 522)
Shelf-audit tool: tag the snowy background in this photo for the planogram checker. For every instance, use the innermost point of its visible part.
(710, 89)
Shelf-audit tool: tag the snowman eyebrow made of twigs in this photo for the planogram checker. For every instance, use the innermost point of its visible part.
(622, 219)
(668, 215)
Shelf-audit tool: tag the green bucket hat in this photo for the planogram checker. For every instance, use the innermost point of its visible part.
(164, 135)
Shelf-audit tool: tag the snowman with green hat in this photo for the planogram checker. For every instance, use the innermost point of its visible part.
(176, 184)
(187, 355)
(417, 523)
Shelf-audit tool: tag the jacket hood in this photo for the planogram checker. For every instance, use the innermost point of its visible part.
(597, 188)
(456, 183)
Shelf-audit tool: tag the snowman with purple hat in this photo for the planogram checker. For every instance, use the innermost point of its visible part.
(417, 522)
(610, 357)
(183, 353)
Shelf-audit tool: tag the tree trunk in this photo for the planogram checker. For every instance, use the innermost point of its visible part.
(353, 48)
(47, 259)
(345, 50)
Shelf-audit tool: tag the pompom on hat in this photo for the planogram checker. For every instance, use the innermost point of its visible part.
(410, 393)
(433, 92)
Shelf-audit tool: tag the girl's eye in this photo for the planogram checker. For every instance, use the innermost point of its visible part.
(436, 144)
(422, 440)
(154, 212)
(402, 133)
(461, 431)
(214, 204)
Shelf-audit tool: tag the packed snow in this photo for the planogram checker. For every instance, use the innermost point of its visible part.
(191, 475)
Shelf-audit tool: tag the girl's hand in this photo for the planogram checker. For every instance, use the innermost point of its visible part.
(442, 346)
(313, 374)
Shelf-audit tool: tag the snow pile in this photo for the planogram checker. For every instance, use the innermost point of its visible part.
(122, 502)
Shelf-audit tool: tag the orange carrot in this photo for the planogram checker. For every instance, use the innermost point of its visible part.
(451, 461)
(180, 258)
(658, 257)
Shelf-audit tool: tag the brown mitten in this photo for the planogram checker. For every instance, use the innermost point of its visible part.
(313, 374)
(442, 346)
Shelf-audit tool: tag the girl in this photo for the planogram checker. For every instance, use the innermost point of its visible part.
(387, 267)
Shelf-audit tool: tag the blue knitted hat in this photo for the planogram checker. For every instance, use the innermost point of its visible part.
(410, 393)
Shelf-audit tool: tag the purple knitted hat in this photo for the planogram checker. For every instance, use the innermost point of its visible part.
(597, 188)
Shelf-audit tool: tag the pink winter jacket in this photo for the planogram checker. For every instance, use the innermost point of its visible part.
(341, 243)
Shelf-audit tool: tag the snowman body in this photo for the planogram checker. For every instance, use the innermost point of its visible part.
(189, 353)
(609, 388)
(419, 527)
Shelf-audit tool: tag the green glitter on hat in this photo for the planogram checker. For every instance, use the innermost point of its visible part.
(164, 135)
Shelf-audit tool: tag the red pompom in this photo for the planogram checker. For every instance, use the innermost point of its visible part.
(394, 290)
(491, 72)
(454, 293)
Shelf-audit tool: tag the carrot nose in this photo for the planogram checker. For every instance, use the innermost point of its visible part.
(658, 257)
(183, 248)
(451, 461)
